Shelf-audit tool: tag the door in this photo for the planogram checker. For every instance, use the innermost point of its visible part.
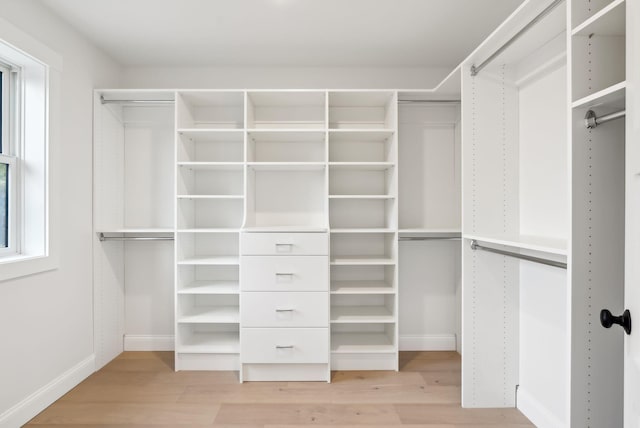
(632, 262)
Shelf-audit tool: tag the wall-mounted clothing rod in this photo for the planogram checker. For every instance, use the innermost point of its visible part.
(476, 246)
(428, 238)
(428, 101)
(135, 238)
(475, 69)
(105, 101)
(592, 121)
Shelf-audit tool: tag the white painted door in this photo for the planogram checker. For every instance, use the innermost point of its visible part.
(632, 262)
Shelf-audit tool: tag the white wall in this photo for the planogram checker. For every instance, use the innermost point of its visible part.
(288, 78)
(46, 320)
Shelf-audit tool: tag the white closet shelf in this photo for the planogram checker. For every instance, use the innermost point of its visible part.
(214, 166)
(139, 231)
(525, 242)
(287, 166)
(368, 343)
(287, 126)
(210, 196)
(213, 261)
(213, 134)
(310, 229)
(211, 287)
(287, 135)
(361, 166)
(211, 315)
(209, 343)
(362, 261)
(210, 230)
(614, 94)
(431, 233)
(366, 134)
(361, 287)
(610, 21)
(361, 315)
(361, 197)
(364, 230)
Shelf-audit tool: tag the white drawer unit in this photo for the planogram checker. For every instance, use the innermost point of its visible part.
(286, 309)
(292, 244)
(284, 273)
(284, 345)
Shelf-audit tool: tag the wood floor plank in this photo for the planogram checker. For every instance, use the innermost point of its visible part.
(454, 414)
(308, 414)
(69, 414)
(92, 393)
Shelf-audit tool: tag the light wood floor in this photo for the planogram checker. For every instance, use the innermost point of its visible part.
(140, 389)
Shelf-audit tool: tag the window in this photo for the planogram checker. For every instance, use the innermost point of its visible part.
(8, 163)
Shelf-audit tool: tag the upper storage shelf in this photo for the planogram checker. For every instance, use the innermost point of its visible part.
(362, 110)
(286, 110)
(585, 12)
(210, 110)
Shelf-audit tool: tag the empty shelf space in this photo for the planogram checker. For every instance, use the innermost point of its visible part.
(610, 21)
(360, 166)
(210, 110)
(353, 343)
(430, 233)
(287, 166)
(213, 134)
(366, 134)
(361, 287)
(361, 314)
(210, 230)
(614, 94)
(361, 197)
(211, 315)
(284, 229)
(211, 287)
(363, 230)
(209, 343)
(214, 261)
(362, 261)
(525, 242)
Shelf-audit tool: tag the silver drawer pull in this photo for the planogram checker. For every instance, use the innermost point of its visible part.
(284, 346)
(284, 248)
(283, 274)
(285, 310)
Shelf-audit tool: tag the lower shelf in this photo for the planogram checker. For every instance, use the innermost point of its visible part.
(361, 314)
(211, 314)
(209, 343)
(354, 343)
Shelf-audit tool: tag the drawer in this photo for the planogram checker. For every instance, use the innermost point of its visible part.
(285, 309)
(284, 273)
(295, 244)
(284, 345)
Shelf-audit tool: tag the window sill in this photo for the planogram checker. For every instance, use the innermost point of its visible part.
(16, 266)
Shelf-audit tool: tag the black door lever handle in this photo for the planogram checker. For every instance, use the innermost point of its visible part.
(624, 320)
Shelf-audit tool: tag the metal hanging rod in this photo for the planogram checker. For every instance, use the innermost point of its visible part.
(135, 238)
(592, 121)
(476, 246)
(428, 101)
(428, 238)
(476, 69)
(105, 101)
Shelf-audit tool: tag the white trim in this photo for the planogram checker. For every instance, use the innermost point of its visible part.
(149, 342)
(25, 410)
(428, 342)
(536, 412)
(29, 46)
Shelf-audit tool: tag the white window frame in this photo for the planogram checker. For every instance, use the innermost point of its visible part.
(37, 129)
(9, 153)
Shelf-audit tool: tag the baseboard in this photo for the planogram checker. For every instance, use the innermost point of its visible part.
(145, 342)
(428, 342)
(28, 408)
(536, 412)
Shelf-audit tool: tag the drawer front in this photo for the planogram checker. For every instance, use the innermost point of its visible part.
(293, 244)
(284, 273)
(284, 345)
(261, 309)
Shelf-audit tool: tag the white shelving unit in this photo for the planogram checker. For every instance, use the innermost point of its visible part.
(363, 213)
(210, 194)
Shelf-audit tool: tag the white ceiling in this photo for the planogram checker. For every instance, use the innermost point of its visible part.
(331, 33)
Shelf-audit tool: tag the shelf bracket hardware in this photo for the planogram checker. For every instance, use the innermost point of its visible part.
(592, 121)
(475, 69)
(476, 246)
